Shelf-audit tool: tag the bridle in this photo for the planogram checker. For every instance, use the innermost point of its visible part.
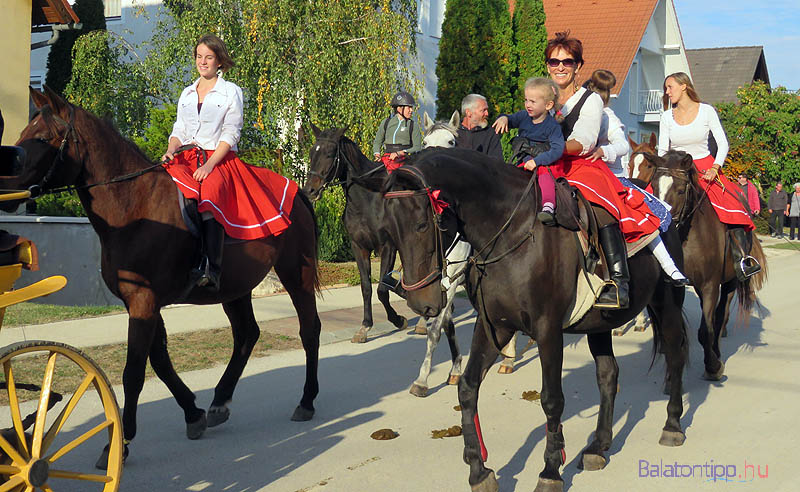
(328, 178)
(440, 253)
(59, 158)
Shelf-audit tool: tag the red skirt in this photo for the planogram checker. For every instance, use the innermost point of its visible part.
(250, 202)
(728, 207)
(599, 185)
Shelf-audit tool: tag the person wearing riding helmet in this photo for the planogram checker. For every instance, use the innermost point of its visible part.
(397, 134)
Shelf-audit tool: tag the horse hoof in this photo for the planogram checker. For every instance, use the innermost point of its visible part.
(421, 328)
(418, 390)
(454, 379)
(504, 369)
(549, 485)
(102, 461)
(302, 414)
(715, 376)
(593, 462)
(489, 484)
(639, 328)
(403, 323)
(361, 335)
(618, 333)
(218, 415)
(672, 438)
(195, 429)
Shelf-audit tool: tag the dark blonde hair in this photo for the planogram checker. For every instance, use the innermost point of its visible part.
(601, 83)
(216, 45)
(681, 78)
(548, 88)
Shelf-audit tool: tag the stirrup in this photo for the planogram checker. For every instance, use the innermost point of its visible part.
(609, 305)
(748, 266)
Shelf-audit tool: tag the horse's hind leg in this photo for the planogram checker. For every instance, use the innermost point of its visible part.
(388, 255)
(723, 313)
(481, 356)
(709, 298)
(245, 335)
(297, 277)
(593, 457)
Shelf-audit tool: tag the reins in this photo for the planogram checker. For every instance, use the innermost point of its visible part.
(337, 163)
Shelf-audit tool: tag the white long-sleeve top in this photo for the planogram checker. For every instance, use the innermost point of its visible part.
(587, 128)
(613, 141)
(693, 138)
(220, 119)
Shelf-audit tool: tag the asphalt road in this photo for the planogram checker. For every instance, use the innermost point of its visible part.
(748, 419)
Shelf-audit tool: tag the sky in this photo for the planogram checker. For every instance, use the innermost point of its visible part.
(773, 24)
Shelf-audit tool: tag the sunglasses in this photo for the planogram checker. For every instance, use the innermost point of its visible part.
(567, 62)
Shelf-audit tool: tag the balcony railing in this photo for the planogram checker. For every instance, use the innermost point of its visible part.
(650, 102)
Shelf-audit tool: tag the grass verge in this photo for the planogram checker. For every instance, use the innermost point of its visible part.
(188, 352)
(793, 246)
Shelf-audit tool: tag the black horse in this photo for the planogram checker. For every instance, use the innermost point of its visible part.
(335, 158)
(523, 278)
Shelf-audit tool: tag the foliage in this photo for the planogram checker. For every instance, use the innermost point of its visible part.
(530, 41)
(59, 61)
(153, 140)
(764, 134)
(106, 82)
(334, 244)
(60, 205)
(476, 56)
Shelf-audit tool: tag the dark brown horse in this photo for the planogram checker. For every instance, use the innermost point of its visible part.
(706, 248)
(522, 278)
(147, 253)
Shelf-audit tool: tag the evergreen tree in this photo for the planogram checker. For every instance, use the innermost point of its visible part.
(530, 41)
(476, 56)
(59, 61)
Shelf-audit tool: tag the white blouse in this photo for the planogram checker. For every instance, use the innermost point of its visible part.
(693, 138)
(587, 128)
(220, 119)
(613, 141)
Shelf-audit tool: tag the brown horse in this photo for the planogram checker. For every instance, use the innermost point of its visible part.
(148, 252)
(706, 248)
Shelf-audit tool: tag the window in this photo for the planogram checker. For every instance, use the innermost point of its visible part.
(113, 8)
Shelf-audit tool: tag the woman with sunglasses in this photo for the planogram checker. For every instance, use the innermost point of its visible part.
(685, 125)
(582, 110)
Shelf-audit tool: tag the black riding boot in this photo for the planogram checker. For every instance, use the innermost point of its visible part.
(615, 292)
(744, 265)
(213, 238)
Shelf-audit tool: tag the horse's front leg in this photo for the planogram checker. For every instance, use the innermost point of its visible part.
(364, 271)
(551, 354)
(388, 255)
(481, 356)
(509, 354)
(669, 325)
(593, 457)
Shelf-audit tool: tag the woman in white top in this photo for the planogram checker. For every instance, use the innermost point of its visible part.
(583, 112)
(612, 144)
(244, 201)
(685, 125)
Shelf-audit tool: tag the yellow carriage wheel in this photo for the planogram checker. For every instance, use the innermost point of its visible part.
(35, 447)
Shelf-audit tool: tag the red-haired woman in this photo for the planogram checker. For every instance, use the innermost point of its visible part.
(244, 201)
(685, 125)
(583, 112)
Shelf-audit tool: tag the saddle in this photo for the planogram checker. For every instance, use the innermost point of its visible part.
(521, 147)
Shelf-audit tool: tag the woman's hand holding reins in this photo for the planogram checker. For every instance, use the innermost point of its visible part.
(500, 125)
(203, 171)
(710, 174)
(597, 154)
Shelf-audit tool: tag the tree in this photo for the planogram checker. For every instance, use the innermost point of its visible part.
(530, 41)
(59, 61)
(764, 133)
(476, 56)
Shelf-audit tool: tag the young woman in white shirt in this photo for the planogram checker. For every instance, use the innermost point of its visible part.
(685, 125)
(234, 198)
(612, 144)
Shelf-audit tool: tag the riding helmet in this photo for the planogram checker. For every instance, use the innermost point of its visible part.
(403, 98)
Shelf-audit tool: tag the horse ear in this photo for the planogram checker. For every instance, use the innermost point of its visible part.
(37, 97)
(427, 122)
(653, 140)
(631, 142)
(55, 101)
(686, 161)
(455, 120)
(340, 132)
(316, 130)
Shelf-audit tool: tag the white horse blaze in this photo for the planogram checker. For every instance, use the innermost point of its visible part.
(637, 161)
(664, 184)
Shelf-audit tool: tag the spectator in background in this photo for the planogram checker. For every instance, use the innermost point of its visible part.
(778, 199)
(793, 211)
(475, 132)
(750, 193)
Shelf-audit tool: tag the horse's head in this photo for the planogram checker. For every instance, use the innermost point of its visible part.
(50, 144)
(675, 182)
(325, 161)
(412, 220)
(648, 147)
(440, 134)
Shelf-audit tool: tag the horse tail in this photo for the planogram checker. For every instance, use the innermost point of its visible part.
(746, 291)
(307, 202)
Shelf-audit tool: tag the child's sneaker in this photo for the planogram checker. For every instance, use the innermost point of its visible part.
(547, 215)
